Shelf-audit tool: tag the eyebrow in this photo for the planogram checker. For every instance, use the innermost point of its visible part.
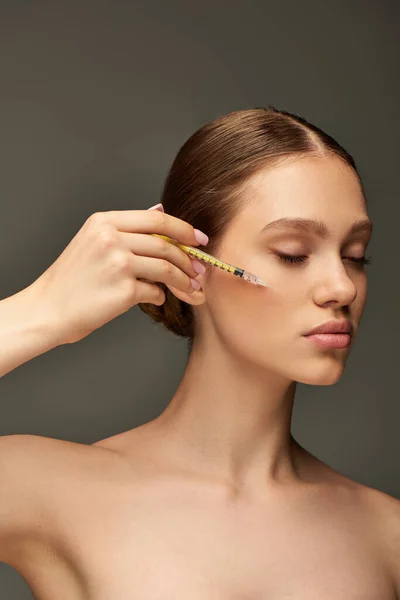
(315, 226)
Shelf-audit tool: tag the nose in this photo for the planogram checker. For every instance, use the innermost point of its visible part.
(334, 286)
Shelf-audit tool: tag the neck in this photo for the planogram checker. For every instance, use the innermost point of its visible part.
(231, 421)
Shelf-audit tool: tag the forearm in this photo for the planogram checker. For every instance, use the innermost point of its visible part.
(25, 330)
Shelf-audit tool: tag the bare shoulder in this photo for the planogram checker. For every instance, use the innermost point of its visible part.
(386, 507)
(28, 451)
(386, 512)
(381, 510)
(37, 474)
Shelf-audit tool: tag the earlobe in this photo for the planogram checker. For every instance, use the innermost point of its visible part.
(195, 299)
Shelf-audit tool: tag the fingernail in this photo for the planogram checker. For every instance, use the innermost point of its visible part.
(195, 284)
(198, 267)
(201, 237)
(157, 207)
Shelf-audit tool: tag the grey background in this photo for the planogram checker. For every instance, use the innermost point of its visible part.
(96, 99)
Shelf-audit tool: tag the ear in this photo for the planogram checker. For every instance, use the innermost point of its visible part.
(196, 298)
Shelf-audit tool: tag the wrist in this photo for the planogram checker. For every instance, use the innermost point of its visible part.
(40, 319)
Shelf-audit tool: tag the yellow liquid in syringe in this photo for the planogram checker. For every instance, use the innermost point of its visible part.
(201, 255)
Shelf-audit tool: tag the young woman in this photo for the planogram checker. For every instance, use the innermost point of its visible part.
(213, 499)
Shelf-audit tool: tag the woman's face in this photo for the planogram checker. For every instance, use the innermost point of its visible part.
(266, 326)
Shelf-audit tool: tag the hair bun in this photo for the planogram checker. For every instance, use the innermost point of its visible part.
(174, 314)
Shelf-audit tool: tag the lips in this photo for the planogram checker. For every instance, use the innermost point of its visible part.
(332, 327)
(330, 340)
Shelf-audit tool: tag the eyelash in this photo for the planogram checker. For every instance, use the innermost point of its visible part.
(289, 259)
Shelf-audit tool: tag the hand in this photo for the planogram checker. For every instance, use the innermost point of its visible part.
(97, 276)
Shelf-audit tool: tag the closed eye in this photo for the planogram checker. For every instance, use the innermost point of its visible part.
(290, 259)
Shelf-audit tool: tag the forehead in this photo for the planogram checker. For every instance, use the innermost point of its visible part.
(325, 189)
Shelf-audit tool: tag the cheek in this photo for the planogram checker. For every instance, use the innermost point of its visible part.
(249, 314)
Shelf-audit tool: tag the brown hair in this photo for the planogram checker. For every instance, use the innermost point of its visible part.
(205, 183)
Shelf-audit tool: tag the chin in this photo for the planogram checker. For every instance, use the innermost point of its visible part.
(322, 372)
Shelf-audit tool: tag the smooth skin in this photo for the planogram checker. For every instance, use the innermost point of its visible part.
(213, 499)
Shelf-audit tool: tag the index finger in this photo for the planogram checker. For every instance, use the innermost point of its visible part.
(154, 221)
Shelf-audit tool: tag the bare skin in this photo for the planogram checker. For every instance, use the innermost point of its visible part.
(214, 499)
(121, 521)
